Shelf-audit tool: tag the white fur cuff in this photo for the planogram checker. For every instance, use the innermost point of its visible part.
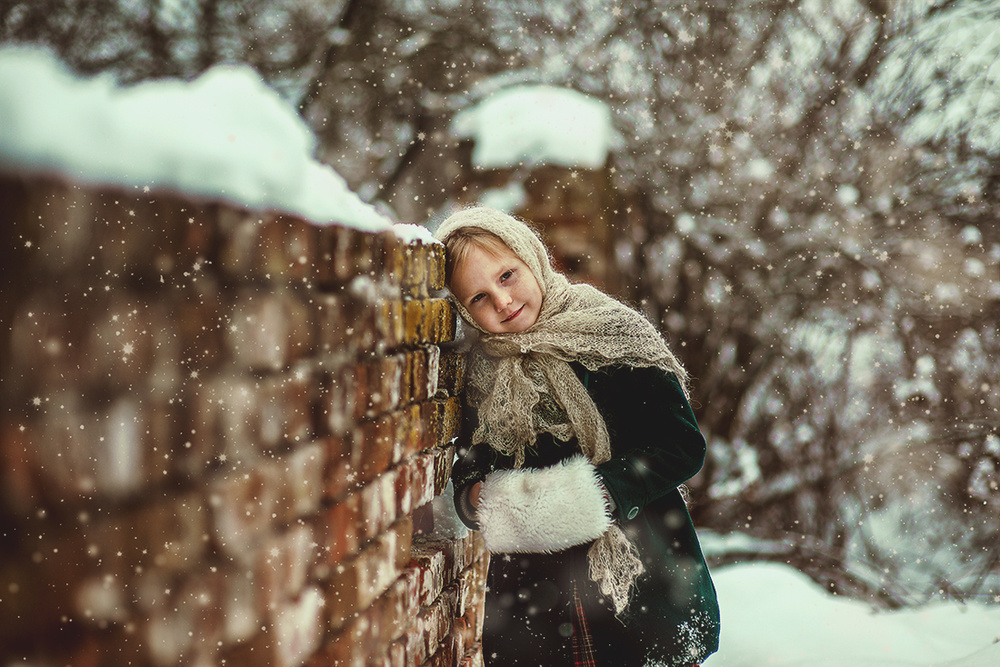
(543, 510)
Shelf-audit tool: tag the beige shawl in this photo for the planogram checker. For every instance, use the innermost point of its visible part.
(522, 383)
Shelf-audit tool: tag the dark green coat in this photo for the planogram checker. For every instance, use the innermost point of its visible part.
(673, 615)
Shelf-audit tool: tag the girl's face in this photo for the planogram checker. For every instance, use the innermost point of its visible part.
(498, 289)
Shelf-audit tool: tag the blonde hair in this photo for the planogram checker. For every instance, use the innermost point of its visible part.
(458, 244)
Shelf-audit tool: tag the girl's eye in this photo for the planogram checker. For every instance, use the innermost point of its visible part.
(475, 299)
(506, 274)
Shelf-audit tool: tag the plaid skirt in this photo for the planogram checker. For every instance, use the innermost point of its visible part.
(583, 641)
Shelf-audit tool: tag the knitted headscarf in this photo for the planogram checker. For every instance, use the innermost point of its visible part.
(522, 383)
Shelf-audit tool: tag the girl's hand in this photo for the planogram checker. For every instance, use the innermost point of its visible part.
(474, 494)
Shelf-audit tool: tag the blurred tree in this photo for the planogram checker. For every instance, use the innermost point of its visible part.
(817, 189)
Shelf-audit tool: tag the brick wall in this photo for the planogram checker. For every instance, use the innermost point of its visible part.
(221, 433)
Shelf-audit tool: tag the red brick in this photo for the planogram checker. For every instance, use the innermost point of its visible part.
(390, 324)
(180, 617)
(340, 529)
(269, 248)
(354, 585)
(337, 400)
(284, 563)
(110, 339)
(302, 481)
(243, 502)
(286, 407)
(58, 221)
(443, 459)
(241, 605)
(377, 504)
(428, 560)
(373, 448)
(344, 253)
(379, 385)
(269, 330)
(235, 418)
(77, 447)
(451, 374)
(151, 234)
(200, 319)
(422, 486)
(346, 322)
(473, 656)
(297, 629)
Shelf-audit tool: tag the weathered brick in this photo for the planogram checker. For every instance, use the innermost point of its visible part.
(416, 266)
(397, 653)
(337, 397)
(428, 562)
(340, 528)
(451, 374)
(240, 604)
(390, 325)
(302, 481)
(200, 319)
(243, 505)
(110, 339)
(277, 406)
(76, 230)
(433, 370)
(373, 447)
(56, 223)
(443, 459)
(148, 235)
(436, 267)
(377, 504)
(444, 322)
(77, 446)
(223, 424)
(271, 248)
(343, 255)
(422, 486)
(416, 376)
(286, 407)
(237, 417)
(449, 419)
(354, 585)
(298, 629)
(389, 256)
(269, 330)
(41, 582)
(347, 322)
(284, 563)
(180, 618)
(414, 433)
(419, 318)
(379, 383)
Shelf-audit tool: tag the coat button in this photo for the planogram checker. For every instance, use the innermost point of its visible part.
(634, 512)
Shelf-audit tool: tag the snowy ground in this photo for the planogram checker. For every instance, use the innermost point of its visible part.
(775, 615)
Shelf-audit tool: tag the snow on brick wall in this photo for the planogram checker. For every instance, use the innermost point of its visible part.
(220, 436)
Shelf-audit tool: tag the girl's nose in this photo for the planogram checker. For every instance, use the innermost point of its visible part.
(502, 300)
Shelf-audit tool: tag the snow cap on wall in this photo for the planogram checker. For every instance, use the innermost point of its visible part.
(225, 135)
(537, 124)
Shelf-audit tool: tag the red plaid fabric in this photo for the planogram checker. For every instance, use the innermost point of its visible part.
(583, 641)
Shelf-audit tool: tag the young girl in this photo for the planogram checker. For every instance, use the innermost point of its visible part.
(577, 434)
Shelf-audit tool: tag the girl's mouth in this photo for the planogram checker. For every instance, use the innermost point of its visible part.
(515, 314)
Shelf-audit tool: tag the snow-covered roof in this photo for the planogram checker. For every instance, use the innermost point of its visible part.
(537, 124)
(225, 136)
